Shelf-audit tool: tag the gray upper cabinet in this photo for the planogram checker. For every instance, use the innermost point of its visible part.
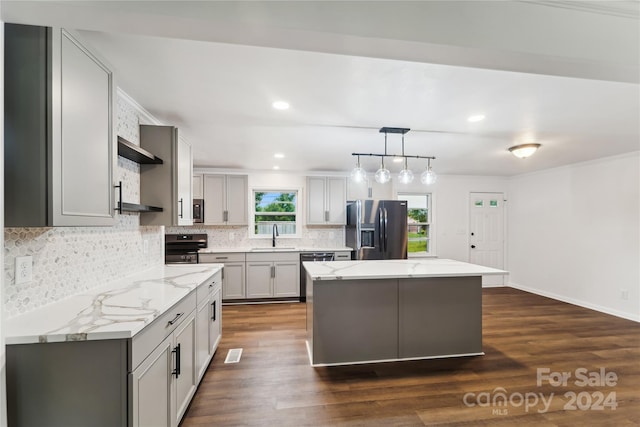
(369, 189)
(326, 200)
(225, 199)
(59, 130)
(166, 185)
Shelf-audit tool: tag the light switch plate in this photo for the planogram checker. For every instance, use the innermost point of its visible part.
(24, 269)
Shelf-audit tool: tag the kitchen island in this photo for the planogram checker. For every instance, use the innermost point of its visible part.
(387, 310)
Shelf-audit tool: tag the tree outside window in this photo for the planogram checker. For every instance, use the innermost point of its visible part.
(275, 207)
(418, 221)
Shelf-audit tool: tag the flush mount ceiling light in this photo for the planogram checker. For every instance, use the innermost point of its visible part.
(383, 175)
(280, 105)
(524, 150)
(278, 156)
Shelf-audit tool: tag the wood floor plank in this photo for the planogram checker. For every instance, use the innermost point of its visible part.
(273, 385)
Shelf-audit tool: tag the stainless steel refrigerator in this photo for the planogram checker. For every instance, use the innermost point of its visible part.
(377, 229)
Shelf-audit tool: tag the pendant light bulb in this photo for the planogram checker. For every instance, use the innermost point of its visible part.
(358, 174)
(428, 177)
(382, 175)
(405, 176)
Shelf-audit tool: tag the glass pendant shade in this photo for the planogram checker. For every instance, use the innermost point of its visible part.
(428, 177)
(358, 174)
(382, 175)
(405, 176)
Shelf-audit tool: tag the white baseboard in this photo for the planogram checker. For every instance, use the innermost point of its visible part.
(493, 286)
(601, 309)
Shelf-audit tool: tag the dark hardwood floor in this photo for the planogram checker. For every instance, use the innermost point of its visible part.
(273, 385)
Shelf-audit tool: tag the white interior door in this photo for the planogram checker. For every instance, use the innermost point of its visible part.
(486, 230)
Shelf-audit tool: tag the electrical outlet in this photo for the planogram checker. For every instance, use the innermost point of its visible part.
(145, 246)
(624, 294)
(24, 269)
(232, 236)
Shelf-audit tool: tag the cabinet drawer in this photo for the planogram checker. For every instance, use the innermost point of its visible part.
(343, 256)
(207, 287)
(273, 256)
(221, 257)
(146, 340)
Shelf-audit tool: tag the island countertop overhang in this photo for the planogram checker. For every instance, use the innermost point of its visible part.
(395, 269)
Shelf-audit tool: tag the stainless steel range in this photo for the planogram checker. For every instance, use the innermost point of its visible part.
(183, 248)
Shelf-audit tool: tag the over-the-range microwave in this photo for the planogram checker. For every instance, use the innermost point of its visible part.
(198, 210)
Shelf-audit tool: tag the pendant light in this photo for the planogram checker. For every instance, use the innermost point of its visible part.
(358, 174)
(405, 176)
(382, 175)
(428, 177)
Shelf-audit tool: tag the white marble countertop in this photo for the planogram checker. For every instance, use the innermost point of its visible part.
(395, 268)
(117, 310)
(282, 248)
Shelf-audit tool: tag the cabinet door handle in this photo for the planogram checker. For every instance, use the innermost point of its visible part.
(175, 319)
(176, 350)
(222, 257)
(225, 216)
(273, 271)
(326, 216)
(213, 306)
(119, 187)
(181, 205)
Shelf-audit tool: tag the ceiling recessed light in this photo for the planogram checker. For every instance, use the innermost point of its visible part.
(276, 167)
(476, 118)
(280, 105)
(278, 156)
(398, 160)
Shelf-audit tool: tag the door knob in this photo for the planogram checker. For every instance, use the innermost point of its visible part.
(473, 246)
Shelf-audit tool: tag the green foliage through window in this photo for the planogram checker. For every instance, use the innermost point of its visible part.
(275, 207)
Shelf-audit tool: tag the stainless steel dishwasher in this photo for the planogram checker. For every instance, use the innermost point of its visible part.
(311, 256)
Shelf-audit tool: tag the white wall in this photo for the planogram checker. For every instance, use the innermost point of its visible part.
(450, 214)
(574, 234)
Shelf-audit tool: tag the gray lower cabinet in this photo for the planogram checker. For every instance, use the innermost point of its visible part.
(163, 385)
(59, 130)
(209, 324)
(273, 275)
(233, 274)
(148, 380)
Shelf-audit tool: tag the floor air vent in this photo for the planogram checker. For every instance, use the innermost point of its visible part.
(233, 356)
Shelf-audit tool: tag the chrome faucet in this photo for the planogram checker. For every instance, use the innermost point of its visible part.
(275, 234)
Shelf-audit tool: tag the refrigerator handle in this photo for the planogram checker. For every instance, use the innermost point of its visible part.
(358, 226)
(386, 223)
(380, 230)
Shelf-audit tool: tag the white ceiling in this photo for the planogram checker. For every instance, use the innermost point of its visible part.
(214, 68)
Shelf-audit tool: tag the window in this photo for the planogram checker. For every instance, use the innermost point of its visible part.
(418, 222)
(275, 207)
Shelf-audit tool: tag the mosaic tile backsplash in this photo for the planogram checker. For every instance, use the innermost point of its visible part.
(238, 236)
(69, 260)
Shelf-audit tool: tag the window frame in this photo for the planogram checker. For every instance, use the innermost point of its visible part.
(252, 217)
(431, 252)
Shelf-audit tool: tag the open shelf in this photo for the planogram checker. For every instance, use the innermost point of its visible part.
(139, 155)
(134, 207)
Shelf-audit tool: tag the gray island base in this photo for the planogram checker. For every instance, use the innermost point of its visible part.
(430, 309)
